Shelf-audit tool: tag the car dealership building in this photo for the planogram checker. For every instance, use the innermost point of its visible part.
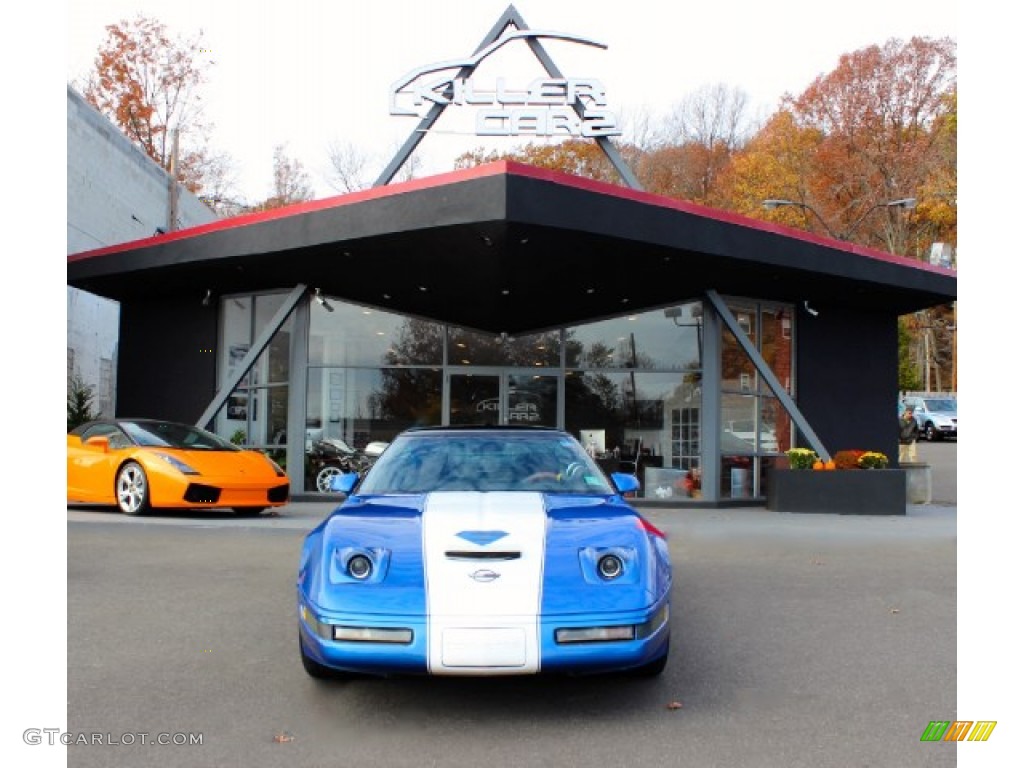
(691, 345)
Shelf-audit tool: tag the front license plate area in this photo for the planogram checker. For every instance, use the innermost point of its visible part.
(483, 647)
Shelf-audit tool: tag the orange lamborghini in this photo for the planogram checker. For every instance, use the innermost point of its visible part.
(143, 464)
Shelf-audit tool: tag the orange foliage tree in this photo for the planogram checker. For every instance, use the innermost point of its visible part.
(582, 157)
(148, 84)
(881, 115)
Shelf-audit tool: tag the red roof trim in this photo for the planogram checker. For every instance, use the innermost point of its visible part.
(298, 209)
(647, 198)
(514, 169)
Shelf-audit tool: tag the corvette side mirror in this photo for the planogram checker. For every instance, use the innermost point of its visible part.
(625, 483)
(344, 483)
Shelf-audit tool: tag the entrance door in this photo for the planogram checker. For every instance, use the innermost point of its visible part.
(502, 396)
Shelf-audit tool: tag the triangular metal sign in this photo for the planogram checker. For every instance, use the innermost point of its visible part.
(509, 18)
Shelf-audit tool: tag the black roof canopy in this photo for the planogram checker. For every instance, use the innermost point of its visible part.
(511, 248)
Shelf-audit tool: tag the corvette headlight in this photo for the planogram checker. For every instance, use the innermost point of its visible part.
(609, 566)
(178, 464)
(359, 567)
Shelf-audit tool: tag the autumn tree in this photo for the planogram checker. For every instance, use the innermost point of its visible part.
(703, 131)
(581, 157)
(880, 114)
(291, 183)
(148, 84)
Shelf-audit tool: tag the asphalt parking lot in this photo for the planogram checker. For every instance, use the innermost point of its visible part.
(798, 640)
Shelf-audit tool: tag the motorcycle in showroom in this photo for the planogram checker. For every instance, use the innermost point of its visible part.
(329, 457)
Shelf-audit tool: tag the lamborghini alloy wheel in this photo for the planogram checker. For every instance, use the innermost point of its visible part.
(132, 489)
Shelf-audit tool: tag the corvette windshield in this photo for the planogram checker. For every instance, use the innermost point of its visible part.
(167, 434)
(423, 463)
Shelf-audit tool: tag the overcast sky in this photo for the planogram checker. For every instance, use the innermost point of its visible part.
(307, 74)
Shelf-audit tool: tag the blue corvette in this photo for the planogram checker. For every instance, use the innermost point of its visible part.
(484, 551)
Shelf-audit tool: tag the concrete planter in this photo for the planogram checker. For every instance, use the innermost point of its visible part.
(841, 491)
(919, 482)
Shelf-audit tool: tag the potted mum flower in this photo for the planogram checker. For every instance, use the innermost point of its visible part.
(882, 491)
(873, 460)
(801, 458)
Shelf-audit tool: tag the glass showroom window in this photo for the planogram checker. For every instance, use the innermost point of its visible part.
(256, 413)
(353, 335)
(348, 408)
(754, 426)
(371, 375)
(471, 348)
(632, 388)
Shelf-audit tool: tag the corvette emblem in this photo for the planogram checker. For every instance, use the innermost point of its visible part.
(484, 575)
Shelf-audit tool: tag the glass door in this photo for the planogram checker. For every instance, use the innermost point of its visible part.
(474, 398)
(532, 399)
(501, 396)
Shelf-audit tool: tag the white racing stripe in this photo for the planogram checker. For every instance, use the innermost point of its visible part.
(483, 612)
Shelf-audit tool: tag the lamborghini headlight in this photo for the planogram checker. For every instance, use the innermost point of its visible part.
(277, 467)
(178, 464)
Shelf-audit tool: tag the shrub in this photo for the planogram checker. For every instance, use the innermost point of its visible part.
(80, 398)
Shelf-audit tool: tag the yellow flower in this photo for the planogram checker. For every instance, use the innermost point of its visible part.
(873, 460)
(801, 458)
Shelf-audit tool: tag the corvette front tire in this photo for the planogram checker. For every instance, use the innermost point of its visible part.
(315, 669)
(652, 668)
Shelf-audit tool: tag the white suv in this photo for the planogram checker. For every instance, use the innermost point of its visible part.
(936, 416)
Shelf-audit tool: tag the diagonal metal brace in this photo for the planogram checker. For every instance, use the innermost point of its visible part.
(766, 373)
(260, 344)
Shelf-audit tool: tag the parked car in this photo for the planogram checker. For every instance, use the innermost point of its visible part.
(936, 416)
(143, 464)
(484, 551)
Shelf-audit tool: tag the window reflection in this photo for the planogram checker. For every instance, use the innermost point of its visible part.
(665, 339)
(361, 336)
(467, 347)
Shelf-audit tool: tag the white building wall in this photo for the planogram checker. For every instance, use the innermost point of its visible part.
(116, 194)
